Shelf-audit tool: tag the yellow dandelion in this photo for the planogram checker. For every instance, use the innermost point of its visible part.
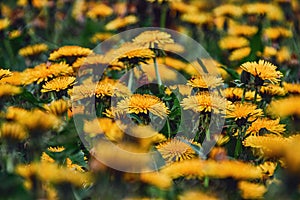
(99, 37)
(53, 173)
(252, 190)
(272, 90)
(121, 22)
(143, 104)
(176, 149)
(5, 73)
(283, 55)
(33, 50)
(272, 11)
(14, 131)
(33, 120)
(99, 10)
(236, 94)
(285, 107)
(56, 149)
(239, 54)
(136, 53)
(58, 84)
(40, 3)
(166, 73)
(270, 145)
(197, 18)
(172, 62)
(223, 21)
(157, 179)
(268, 168)
(242, 30)
(110, 87)
(292, 88)
(274, 33)
(104, 126)
(269, 52)
(73, 166)
(183, 7)
(205, 81)
(228, 10)
(264, 70)
(233, 42)
(262, 124)
(45, 71)
(184, 90)
(46, 158)
(149, 39)
(9, 90)
(14, 34)
(172, 47)
(82, 91)
(4, 23)
(205, 102)
(244, 111)
(58, 107)
(70, 51)
(194, 194)
(78, 10)
(14, 78)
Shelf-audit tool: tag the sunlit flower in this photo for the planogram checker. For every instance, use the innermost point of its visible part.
(33, 50)
(264, 124)
(172, 47)
(236, 94)
(78, 10)
(252, 190)
(157, 179)
(99, 10)
(192, 195)
(272, 90)
(53, 173)
(272, 11)
(263, 70)
(285, 107)
(14, 34)
(197, 18)
(283, 54)
(143, 104)
(233, 42)
(292, 88)
(243, 111)
(228, 10)
(45, 71)
(33, 120)
(211, 168)
(4, 23)
(268, 168)
(135, 54)
(121, 22)
(73, 166)
(40, 3)
(99, 37)
(274, 33)
(58, 84)
(269, 52)
(166, 73)
(183, 7)
(56, 149)
(14, 78)
(13, 131)
(58, 107)
(5, 73)
(184, 90)
(239, 54)
(205, 102)
(270, 144)
(9, 90)
(242, 30)
(149, 39)
(46, 158)
(177, 149)
(104, 126)
(205, 81)
(70, 51)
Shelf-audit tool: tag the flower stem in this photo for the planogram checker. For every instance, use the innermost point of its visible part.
(255, 95)
(159, 82)
(244, 94)
(130, 81)
(163, 15)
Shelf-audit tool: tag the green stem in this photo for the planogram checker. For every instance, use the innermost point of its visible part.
(9, 51)
(159, 82)
(163, 16)
(244, 94)
(206, 182)
(130, 81)
(169, 128)
(238, 148)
